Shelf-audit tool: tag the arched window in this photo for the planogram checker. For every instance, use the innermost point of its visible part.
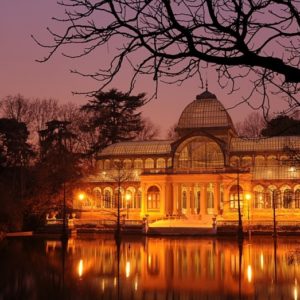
(272, 160)
(127, 164)
(138, 164)
(184, 199)
(169, 163)
(197, 202)
(106, 164)
(149, 163)
(199, 153)
(153, 198)
(97, 197)
(234, 161)
(246, 161)
(297, 198)
(210, 196)
(160, 163)
(235, 195)
(107, 198)
(259, 197)
(287, 198)
(118, 197)
(259, 160)
(138, 199)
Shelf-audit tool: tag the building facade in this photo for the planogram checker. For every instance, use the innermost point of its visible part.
(207, 172)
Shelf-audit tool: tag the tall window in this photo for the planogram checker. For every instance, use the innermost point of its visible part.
(297, 198)
(153, 198)
(97, 197)
(197, 202)
(138, 199)
(149, 163)
(210, 196)
(184, 199)
(236, 195)
(107, 199)
(160, 163)
(138, 164)
(287, 198)
(259, 197)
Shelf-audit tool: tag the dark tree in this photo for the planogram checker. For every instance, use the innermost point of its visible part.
(14, 149)
(175, 40)
(56, 171)
(282, 125)
(15, 154)
(114, 116)
(251, 126)
(57, 159)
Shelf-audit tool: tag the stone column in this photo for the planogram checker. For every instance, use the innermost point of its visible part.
(193, 199)
(175, 199)
(216, 198)
(203, 200)
(144, 200)
(188, 200)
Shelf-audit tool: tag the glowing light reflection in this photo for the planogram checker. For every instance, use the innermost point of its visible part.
(262, 261)
(80, 268)
(136, 284)
(249, 273)
(295, 293)
(127, 269)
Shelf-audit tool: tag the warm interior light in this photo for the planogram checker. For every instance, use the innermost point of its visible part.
(128, 197)
(248, 196)
(81, 196)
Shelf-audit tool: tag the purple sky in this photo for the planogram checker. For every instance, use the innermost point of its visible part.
(19, 73)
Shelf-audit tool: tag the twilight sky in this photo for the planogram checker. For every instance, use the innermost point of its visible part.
(21, 74)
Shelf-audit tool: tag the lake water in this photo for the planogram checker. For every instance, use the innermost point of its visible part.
(94, 267)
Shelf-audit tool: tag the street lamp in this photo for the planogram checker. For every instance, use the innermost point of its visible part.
(248, 198)
(128, 198)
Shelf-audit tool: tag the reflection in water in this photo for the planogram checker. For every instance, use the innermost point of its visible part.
(80, 268)
(149, 268)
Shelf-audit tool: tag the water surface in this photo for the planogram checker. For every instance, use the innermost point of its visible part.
(94, 267)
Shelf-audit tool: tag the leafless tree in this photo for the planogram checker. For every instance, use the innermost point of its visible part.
(172, 134)
(251, 126)
(175, 40)
(150, 131)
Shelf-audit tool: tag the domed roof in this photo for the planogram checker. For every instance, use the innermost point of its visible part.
(206, 111)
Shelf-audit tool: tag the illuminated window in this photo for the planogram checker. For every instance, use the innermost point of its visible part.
(138, 199)
(149, 163)
(160, 163)
(138, 164)
(97, 197)
(287, 198)
(235, 195)
(297, 198)
(107, 199)
(127, 164)
(259, 197)
(184, 199)
(210, 196)
(153, 198)
(200, 153)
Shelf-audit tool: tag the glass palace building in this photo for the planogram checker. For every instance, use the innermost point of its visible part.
(202, 174)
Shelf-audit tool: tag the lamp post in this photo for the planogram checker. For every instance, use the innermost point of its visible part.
(128, 198)
(248, 198)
